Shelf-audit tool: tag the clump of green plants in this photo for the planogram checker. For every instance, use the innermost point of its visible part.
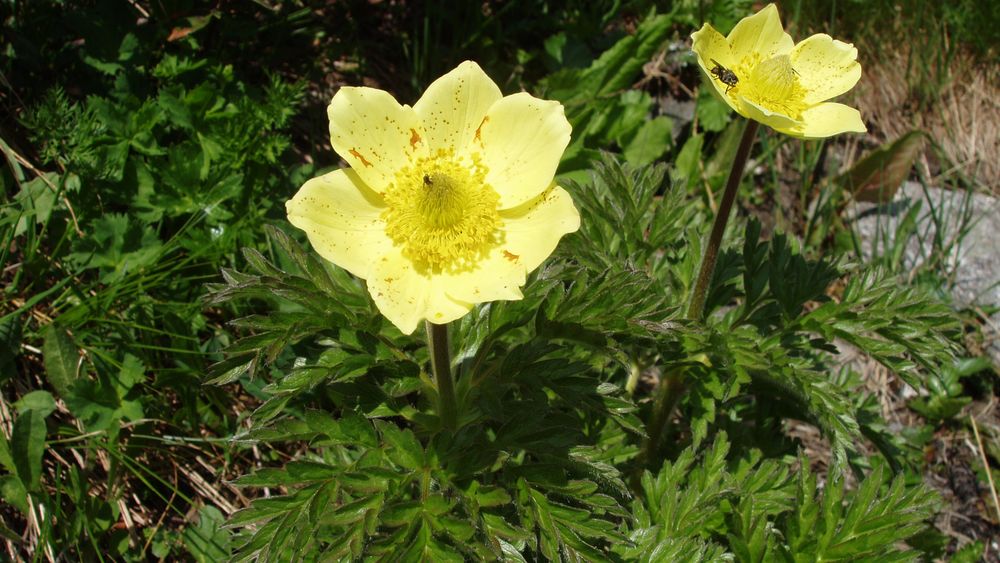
(518, 429)
(596, 358)
(133, 196)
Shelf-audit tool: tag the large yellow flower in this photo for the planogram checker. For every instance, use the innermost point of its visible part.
(764, 76)
(447, 203)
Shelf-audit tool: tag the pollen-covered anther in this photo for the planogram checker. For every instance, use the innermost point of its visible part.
(442, 212)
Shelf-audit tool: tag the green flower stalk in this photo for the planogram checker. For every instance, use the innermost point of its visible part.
(764, 76)
(437, 343)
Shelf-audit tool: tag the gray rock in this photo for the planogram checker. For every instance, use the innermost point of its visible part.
(958, 231)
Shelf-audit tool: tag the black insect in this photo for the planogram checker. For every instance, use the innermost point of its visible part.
(427, 180)
(724, 75)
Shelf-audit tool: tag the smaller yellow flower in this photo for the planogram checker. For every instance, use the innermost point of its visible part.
(447, 203)
(764, 76)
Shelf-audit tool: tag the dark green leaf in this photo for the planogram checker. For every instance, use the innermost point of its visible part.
(207, 541)
(650, 142)
(13, 492)
(404, 447)
(28, 446)
(61, 358)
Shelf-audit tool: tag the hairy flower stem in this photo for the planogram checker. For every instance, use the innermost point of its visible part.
(673, 385)
(696, 309)
(668, 393)
(437, 342)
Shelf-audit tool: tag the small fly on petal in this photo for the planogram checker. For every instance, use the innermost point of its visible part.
(724, 75)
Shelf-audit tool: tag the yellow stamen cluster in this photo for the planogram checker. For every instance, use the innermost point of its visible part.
(774, 85)
(442, 212)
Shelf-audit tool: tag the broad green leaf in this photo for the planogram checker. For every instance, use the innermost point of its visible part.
(28, 446)
(718, 165)
(12, 491)
(207, 541)
(6, 458)
(650, 142)
(368, 481)
(61, 358)
(118, 246)
(460, 529)
(39, 401)
(37, 199)
(688, 162)
(713, 114)
(358, 430)
(353, 511)
(400, 514)
(492, 496)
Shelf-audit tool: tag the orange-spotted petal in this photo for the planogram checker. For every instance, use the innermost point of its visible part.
(342, 218)
(827, 67)
(372, 132)
(406, 295)
(522, 139)
(533, 229)
(453, 106)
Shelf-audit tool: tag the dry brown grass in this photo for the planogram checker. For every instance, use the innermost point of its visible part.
(962, 117)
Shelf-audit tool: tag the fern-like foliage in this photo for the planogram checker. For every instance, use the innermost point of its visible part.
(375, 489)
(783, 320)
(636, 219)
(748, 509)
(867, 524)
(902, 327)
(530, 472)
(68, 132)
(540, 466)
(777, 315)
(329, 297)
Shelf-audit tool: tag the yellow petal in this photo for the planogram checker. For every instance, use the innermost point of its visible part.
(441, 307)
(759, 37)
(532, 230)
(521, 140)
(828, 119)
(453, 106)
(399, 292)
(827, 67)
(374, 134)
(342, 218)
(774, 120)
(406, 296)
(711, 48)
(498, 276)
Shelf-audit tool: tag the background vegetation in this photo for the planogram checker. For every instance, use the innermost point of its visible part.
(150, 145)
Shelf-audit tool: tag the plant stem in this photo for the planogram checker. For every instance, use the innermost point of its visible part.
(673, 385)
(668, 394)
(437, 342)
(696, 309)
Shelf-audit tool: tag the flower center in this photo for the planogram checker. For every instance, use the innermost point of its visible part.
(774, 85)
(442, 212)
